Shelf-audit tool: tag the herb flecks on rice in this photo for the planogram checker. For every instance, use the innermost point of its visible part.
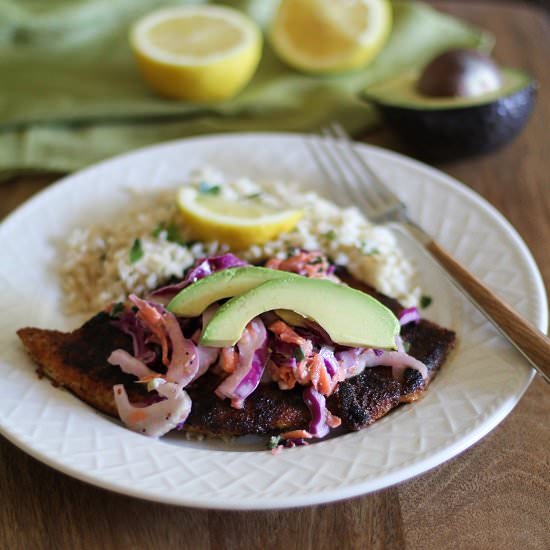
(148, 245)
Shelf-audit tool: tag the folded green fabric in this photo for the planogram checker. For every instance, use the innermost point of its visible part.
(70, 93)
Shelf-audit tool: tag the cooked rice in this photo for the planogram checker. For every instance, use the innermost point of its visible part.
(97, 269)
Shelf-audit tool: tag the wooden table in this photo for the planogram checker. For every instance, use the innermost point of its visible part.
(494, 495)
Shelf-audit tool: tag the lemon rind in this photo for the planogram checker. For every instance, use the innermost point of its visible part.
(368, 45)
(188, 205)
(141, 43)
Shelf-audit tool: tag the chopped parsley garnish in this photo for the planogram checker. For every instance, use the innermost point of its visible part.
(208, 189)
(273, 442)
(369, 250)
(117, 309)
(158, 229)
(318, 260)
(173, 234)
(425, 301)
(330, 235)
(136, 252)
(299, 354)
(292, 252)
(253, 195)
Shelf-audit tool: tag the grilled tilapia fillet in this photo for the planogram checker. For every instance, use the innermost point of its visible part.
(78, 361)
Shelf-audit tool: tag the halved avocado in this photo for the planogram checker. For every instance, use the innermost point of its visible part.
(454, 126)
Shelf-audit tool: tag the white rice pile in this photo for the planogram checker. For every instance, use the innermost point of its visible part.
(137, 253)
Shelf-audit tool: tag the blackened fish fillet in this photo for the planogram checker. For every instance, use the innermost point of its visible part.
(78, 361)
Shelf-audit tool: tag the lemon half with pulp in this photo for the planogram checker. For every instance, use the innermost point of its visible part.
(327, 36)
(238, 224)
(198, 53)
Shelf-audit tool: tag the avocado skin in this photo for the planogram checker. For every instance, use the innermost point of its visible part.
(454, 133)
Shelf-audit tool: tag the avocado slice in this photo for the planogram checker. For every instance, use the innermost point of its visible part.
(350, 317)
(194, 299)
(445, 128)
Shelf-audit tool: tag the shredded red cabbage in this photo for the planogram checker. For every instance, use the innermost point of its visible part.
(158, 418)
(253, 356)
(283, 360)
(348, 359)
(399, 344)
(316, 403)
(331, 364)
(409, 315)
(183, 363)
(129, 364)
(202, 268)
(285, 349)
(355, 360)
(207, 356)
(131, 325)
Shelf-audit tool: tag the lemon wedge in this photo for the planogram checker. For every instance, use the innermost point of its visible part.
(238, 224)
(198, 53)
(327, 36)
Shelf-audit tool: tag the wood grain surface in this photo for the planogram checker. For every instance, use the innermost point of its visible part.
(496, 495)
(530, 341)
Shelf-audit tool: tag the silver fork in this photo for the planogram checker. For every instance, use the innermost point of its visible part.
(336, 156)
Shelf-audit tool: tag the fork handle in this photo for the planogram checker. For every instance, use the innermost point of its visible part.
(530, 341)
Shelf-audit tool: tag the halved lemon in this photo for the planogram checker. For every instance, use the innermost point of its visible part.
(198, 53)
(327, 36)
(238, 224)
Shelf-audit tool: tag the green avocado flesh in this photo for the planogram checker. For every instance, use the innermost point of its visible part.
(402, 92)
(194, 299)
(350, 317)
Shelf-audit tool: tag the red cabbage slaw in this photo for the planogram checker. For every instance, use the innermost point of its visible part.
(202, 268)
(303, 355)
(253, 355)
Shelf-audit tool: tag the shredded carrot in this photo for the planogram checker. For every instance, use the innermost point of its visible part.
(296, 434)
(310, 264)
(153, 319)
(324, 385)
(228, 359)
(150, 377)
(332, 420)
(313, 369)
(286, 334)
(302, 372)
(284, 376)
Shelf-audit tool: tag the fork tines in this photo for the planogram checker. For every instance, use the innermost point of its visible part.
(337, 157)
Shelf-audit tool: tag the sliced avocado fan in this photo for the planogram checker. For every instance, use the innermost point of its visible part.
(350, 317)
(194, 299)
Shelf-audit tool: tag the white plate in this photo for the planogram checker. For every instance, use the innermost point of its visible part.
(475, 390)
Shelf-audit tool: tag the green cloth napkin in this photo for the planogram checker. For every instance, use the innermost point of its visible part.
(70, 93)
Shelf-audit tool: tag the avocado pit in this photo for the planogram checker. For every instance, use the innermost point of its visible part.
(460, 73)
